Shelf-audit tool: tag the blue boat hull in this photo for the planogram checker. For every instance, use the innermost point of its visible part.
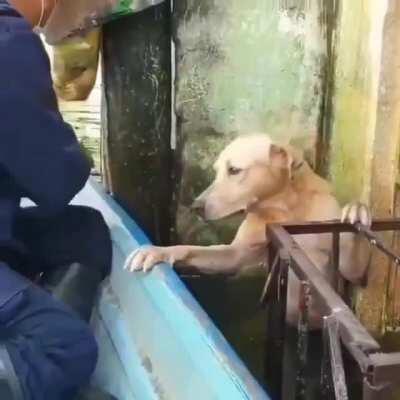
(156, 342)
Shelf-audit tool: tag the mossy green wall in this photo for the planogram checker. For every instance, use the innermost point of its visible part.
(357, 66)
(242, 67)
(365, 136)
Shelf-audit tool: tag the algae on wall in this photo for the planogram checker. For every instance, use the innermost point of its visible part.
(242, 67)
(358, 51)
(137, 117)
(355, 98)
(365, 135)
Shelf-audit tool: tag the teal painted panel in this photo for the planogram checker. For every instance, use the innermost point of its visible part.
(120, 370)
(110, 373)
(166, 344)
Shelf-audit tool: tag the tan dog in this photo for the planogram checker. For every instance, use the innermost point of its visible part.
(271, 184)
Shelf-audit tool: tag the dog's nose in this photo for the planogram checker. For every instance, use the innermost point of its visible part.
(198, 207)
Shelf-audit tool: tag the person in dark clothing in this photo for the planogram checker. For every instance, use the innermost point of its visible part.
(72, 251)
(46, 348)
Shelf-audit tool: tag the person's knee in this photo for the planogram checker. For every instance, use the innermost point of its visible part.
(74, 348)
(70, 342)
(71, 356)
(53, 351)
(81, 353)
(57, 366)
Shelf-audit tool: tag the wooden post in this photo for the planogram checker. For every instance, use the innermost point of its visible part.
(137, 120)
(365, 137)
(376, 307)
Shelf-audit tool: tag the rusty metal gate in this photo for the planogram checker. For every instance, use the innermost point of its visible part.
(380, 371)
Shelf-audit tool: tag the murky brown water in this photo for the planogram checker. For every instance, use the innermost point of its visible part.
(84, 117)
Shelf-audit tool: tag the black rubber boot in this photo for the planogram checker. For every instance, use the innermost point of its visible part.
(75, 285)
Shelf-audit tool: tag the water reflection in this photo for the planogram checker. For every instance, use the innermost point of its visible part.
(84, 117)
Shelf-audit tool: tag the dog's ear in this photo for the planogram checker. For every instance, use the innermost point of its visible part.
(287, 158)
(280, 157)
(297, 158)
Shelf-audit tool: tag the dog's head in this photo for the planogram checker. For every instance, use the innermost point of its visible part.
(248, 170)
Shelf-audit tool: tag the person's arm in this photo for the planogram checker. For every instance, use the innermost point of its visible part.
(38, 149)
(41, 153)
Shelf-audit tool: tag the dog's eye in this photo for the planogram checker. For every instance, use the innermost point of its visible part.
(234, 171)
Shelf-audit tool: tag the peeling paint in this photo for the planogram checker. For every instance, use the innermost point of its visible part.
(157, 386)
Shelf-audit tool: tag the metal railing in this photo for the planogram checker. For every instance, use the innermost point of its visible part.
(380, 371)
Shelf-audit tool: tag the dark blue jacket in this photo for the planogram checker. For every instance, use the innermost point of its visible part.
(40, 157)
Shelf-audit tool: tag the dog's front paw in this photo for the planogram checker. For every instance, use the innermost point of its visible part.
(145, 258)
(357, 212)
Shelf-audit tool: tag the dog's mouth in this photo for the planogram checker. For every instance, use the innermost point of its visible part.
(201, 214)
(239, 212)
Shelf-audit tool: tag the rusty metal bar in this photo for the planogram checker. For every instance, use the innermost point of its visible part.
(377, 242)
(284, 265)
(371, 392)
(380, 370)
(351, 330)
(337, 227)
(302, 341)
(272, 275)
(275, 296)
(335, 351)
(335, 261)
(361, 357)
(302, 228)
(386, 367)
(327, 390)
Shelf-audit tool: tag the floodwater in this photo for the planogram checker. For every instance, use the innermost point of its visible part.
(84, 117)
(233, 305)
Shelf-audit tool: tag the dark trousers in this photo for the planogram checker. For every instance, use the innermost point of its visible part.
(77, 235)
(52, 350)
